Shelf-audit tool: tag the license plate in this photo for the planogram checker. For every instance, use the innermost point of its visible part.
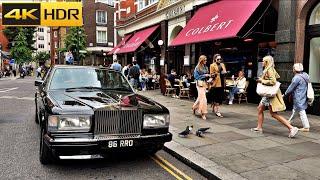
(120, 143)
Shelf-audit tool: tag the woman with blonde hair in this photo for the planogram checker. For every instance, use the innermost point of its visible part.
(200, 74)
(276, 104)
(217, 71)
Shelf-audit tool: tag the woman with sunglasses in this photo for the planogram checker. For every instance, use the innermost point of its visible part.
(201, 73)
(217, 71)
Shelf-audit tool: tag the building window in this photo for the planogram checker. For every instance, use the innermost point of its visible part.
(101, 17)
(128, 10)
(55, 34)
(40, 30)
(315, 16)
(40, 37)
(101, 36)
(143, 4)
(109, 2)
(56, 45)
(41, 46)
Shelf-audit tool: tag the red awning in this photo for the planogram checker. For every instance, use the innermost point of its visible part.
(137, 39)
(117, 48)
(219, 20)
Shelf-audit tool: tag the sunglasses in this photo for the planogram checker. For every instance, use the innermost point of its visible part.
(219, 59)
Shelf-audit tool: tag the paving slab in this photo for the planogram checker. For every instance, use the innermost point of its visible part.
(310, 166)
(276, 172)
(231, 151)
(273, 155)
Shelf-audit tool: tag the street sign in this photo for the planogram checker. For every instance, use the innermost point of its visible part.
(11, 61)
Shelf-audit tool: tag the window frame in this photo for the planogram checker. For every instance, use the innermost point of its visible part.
(97, 17)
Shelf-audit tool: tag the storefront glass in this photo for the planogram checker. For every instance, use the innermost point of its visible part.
(314, 63)
(315, 16)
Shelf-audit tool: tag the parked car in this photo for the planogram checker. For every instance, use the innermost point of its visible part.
(94, 111)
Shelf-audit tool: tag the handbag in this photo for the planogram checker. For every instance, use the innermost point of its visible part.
(201, 83)
(267, 91)
(310, 92)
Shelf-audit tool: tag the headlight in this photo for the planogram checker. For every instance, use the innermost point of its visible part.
(69, 122)
(156, 120)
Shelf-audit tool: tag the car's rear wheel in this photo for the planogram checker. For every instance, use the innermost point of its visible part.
(45, 155)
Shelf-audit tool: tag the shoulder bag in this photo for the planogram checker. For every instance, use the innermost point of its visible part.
(310, 91)
(268, 91)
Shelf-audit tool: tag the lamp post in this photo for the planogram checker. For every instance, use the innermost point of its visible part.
(78, 48)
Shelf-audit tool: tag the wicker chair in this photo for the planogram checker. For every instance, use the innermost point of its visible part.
(242, 96)
(169, 88)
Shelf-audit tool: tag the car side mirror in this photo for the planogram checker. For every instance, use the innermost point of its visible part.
(38, 82)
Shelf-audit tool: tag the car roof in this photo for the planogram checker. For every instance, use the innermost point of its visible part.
(77, 67)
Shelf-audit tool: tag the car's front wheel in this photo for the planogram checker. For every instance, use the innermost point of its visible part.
(45, 155)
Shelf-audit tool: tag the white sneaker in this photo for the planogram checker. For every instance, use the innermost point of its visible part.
(293, 132)
(230, 102)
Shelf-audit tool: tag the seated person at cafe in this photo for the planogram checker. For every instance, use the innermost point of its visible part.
(172, 77)
(239, 86)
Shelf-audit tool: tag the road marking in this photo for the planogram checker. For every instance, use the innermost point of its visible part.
(8, 89)
(169, 167)
(19, 98)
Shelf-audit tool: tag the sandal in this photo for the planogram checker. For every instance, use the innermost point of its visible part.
(219, 114)
(203, 117)
(256, 130)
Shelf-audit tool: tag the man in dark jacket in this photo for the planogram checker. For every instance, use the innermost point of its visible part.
(134, 75)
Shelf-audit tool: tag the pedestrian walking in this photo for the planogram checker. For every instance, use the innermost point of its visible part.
(125, 70)
(201, 73)
(298, 88)
(134, 75)
(217, 71)
(115, 65)
(39, 72)
(276, 104)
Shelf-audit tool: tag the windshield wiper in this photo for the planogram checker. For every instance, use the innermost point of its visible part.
(84, 87)
(119, 89)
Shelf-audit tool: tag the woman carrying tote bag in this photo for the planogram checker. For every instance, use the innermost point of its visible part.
(276, 104)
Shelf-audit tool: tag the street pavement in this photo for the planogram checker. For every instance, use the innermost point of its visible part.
(19, 138)
(231, 151)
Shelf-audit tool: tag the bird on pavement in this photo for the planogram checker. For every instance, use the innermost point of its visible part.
(199, 133)
(186, 132)
(203, 129)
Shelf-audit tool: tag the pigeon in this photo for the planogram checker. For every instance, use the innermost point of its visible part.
(199, 133)
(186, 131)
(203, 129)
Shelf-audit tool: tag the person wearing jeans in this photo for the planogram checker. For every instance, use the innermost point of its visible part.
(298, 88)
(239, 86)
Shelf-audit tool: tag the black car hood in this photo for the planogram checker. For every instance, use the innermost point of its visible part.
(76, 101)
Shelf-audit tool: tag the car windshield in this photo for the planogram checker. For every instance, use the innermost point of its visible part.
(85, 78)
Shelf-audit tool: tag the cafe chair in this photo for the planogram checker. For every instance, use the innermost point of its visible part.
(169, 89)
(184, 91)
(242, 96)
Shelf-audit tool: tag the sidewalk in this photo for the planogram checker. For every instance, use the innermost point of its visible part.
(231, 151)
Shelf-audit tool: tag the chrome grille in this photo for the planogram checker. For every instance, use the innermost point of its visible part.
(118, 122)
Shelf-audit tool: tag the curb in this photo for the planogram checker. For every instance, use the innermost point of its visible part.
(201, 164)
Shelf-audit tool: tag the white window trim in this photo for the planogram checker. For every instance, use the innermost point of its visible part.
(105, 29)
(106, 15)
(145, 7)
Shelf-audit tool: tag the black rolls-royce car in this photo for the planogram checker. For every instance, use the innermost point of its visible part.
(88, 111)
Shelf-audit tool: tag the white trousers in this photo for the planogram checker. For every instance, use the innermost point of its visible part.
(303, 117)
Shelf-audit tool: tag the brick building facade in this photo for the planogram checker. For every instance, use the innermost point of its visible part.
(99, 27)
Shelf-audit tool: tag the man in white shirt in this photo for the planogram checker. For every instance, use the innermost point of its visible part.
(239, 86)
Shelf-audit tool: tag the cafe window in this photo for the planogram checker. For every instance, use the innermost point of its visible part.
(315, 16)
(314, 52)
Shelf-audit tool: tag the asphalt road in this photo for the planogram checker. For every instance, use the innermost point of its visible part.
(19, 138)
